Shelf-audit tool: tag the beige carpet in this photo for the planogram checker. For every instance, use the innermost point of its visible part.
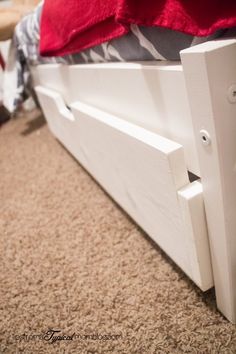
(72, 261)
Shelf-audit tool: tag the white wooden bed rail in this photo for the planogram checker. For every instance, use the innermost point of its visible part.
(138, 128)
(152, 95)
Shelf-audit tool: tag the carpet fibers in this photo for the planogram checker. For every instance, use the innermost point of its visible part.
(77, 275)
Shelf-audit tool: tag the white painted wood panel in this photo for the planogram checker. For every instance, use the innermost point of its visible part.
(210, 72)
(151, 94)
(144, 172)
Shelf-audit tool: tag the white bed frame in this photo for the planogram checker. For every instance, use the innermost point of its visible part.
(138, 128)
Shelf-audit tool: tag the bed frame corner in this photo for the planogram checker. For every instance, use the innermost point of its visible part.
(210, 76)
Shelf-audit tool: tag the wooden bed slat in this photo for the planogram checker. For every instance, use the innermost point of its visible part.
(145, 173)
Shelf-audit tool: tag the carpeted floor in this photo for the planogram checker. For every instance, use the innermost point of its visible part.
(72, 261)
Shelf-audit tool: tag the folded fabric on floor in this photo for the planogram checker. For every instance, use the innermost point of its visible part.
(69, 26)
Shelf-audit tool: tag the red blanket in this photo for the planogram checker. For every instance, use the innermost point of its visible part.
(69, 26)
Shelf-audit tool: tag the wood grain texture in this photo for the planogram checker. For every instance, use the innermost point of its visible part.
(145, 173)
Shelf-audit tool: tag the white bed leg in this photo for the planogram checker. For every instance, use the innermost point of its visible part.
(210, 74)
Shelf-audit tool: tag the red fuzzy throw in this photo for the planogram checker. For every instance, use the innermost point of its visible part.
(69, 26)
